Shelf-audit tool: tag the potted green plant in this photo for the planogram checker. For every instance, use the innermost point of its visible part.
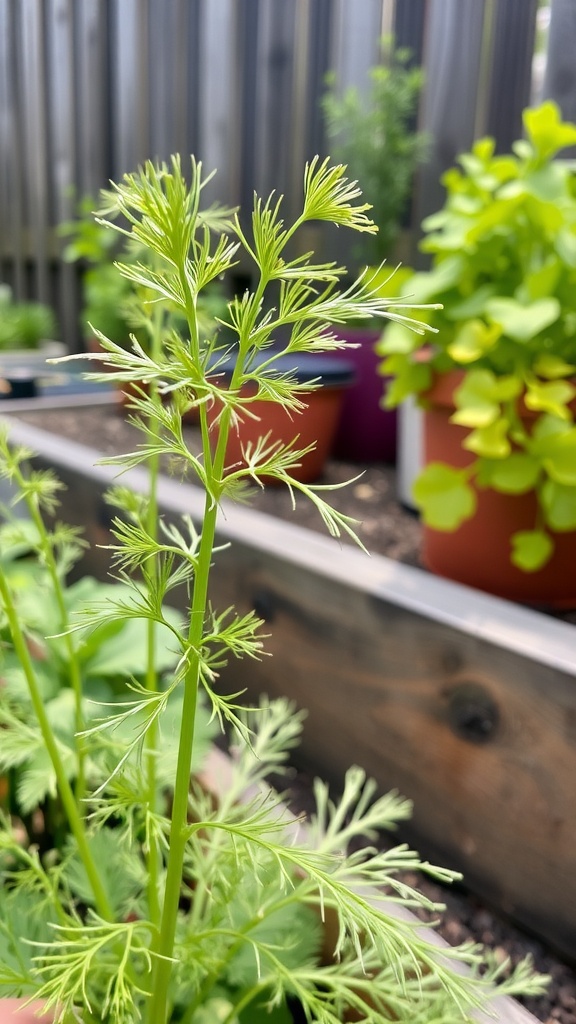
(497, 383)
(165, 902)
(374, 135)
(27, 338)
(24, 325)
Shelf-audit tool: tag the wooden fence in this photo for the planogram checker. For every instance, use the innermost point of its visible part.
(90, 88)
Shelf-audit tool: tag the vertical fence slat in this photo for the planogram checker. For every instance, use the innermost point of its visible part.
(219, 132)
(302, 97)
(33, 72)
(63, 148)
(10, 152)
(510, 69)
(560, 73)
(356, 40)
(248, 18)
(130, 107)
(167, 71)
(355, 48)
(92, 85)
(321, 24)
(452, 53)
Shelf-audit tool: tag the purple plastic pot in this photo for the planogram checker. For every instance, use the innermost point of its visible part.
(366, 432)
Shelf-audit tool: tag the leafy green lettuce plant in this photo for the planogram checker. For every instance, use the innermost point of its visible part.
(502, 280)
(167, 903)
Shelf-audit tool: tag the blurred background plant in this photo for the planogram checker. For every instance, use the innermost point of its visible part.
(106, 295)
(376, 137)
(24, 325)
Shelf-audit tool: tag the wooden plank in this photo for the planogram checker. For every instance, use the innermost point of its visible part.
(464, 702)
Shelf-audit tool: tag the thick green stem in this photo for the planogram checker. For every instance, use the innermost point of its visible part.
(153, 852)
(158, 1004)
(158, 1007)
(68, 800)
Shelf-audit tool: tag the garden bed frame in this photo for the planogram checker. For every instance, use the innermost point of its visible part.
(463, 702)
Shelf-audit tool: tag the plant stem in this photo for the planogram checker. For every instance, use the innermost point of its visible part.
(151, 743)
(158, 1005)
(157, 1010)
(57, 591)
(163, 969)
(64, 787)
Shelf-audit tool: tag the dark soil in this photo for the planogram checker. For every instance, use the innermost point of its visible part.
(385, 527)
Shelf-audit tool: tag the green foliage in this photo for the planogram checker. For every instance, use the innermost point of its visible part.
(444, 495)
(503, 270)
(106, 656)
(374, 137)
(24, 325)
(114, 304)
(107, 295)
(162, 901)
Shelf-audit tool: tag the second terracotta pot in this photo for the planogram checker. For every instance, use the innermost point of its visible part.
(478, 553)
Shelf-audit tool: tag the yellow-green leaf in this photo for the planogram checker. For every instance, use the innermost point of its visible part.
(472, 340)
(531, 549)
(397, 338)
(523, 322)
(444, 496)
(559, 504)
(477, 400)
(546, 130)
(551, 396)
(552, 367)
(515, 474)
(491, 441)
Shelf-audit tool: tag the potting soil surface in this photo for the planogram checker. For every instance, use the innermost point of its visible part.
(385, 527)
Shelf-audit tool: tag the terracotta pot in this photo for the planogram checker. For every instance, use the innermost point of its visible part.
(317, 422)
(366, 432)
(478, 553)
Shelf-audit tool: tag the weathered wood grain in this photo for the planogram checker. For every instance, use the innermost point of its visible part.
(463, 702)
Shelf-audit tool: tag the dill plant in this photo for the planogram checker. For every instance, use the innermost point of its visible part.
(164, 904)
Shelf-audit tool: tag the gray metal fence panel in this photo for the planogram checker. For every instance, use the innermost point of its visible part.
(90, 88)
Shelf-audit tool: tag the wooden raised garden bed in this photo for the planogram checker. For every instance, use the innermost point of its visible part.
(463, 702)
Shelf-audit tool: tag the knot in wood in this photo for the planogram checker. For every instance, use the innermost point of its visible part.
(472, 712)
(263, 604)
